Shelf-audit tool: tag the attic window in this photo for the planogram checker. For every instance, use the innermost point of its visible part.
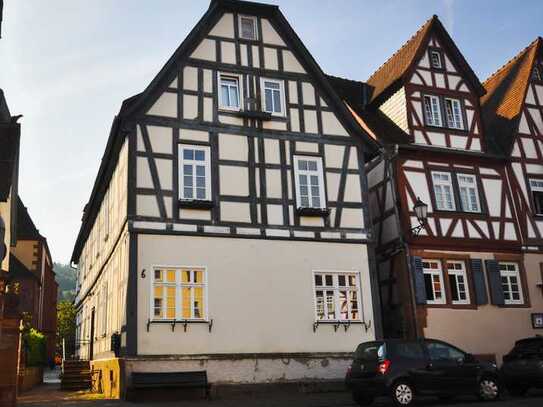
(435, 59)
(247, 27)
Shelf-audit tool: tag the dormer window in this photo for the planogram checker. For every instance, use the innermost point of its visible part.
(435, 59)
(247, 28)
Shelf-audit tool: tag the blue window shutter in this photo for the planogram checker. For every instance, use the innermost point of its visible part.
(476, 265)
(418, 280)
(494, 282)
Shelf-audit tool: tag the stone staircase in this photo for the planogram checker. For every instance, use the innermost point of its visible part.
(76, 375)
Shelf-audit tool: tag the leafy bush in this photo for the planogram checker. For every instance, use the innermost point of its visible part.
(35, 348)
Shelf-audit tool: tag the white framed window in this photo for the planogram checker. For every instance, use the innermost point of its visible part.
(435, 59)
(309, 180)
(432, 109)
(453, 108)
(511, 284)
(433, 281)
(247, 28)
(337, 296)
(458, 282)
(179, 293)
(273, 96)
(443, 190)
(230, 92)
(195, 172)
(469, 193)
(536, 187)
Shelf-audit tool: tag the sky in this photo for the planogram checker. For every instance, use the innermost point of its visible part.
(66, 66)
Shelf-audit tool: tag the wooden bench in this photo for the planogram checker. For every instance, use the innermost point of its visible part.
(172, 380)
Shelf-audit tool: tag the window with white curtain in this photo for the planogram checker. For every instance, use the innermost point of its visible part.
(443, 190)
(229, 92)
(469, 193)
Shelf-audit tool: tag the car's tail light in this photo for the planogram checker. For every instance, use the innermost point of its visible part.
(384, 366)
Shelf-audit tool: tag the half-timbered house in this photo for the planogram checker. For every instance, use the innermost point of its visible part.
(227, 229)
(513, 117)
(457, 273)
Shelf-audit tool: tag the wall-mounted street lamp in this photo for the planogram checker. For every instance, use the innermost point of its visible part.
(421, 211)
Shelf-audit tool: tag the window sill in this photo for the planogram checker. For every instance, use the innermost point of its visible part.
(318, 212)
(254, 114)
(196, 204)
(184, 322)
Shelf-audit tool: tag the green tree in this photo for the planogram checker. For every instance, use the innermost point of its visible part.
(66, 279)
(66, 326)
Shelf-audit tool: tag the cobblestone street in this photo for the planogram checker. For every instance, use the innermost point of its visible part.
(49, 396)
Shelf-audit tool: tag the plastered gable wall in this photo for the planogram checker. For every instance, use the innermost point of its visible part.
(449, 81)
(252, 159)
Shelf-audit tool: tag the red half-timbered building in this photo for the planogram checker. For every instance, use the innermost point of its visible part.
(513, 117)
(459, 273)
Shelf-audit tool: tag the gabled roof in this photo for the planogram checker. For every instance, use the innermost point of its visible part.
(9, 149)
(26, 229)
(169, 71)
(506, 90)
(392, 73)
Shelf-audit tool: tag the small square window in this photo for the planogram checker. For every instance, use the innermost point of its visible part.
(435, 58)
(537, 74)
(247, 28)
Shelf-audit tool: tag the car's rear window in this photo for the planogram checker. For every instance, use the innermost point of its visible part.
(528, 347)
(406, 350)
(370, 351)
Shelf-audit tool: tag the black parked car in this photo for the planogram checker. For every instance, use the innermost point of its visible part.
(405, 369)
(523, 367)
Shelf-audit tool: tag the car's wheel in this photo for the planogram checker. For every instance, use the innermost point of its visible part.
(362, 399)
(403, 393)
(489, 389)
(517, 391)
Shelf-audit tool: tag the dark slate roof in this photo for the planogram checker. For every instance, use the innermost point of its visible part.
(372, 120)
(9, 148)
(26, 229)
(169, 71)
(18, 271)
(506, 92)
(391, 74)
